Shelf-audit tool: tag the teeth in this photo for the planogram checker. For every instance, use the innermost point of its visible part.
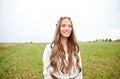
(66, 32)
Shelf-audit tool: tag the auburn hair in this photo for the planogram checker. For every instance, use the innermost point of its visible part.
(57, 57)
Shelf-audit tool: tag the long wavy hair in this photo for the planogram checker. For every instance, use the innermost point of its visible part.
(58, 57)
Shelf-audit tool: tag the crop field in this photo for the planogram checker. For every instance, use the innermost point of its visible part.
(100, 60)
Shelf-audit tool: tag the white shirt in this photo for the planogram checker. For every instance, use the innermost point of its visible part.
(46, 70)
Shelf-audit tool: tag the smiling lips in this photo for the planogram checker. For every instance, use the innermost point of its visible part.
(66, 32)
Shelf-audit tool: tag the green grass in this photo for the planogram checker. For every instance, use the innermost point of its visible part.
(100, 60)
(22, 62)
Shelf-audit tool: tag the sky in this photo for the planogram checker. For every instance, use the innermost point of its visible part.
(35, 20)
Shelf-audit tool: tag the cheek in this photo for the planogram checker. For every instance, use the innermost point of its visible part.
(71, 29)
(61, 29)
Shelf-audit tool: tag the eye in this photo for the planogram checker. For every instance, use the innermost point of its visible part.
(69, 25)
(63, 25)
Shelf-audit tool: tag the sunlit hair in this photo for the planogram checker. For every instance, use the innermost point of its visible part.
(58, 54)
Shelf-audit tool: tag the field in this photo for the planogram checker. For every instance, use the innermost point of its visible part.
(100, 60)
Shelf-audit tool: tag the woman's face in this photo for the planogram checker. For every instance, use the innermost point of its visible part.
(65, 28)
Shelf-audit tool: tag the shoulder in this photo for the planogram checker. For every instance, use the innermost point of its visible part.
(47, 47)
(47, 52)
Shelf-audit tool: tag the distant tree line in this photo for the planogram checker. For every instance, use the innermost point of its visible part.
(29, 42)
(105, 40)
(118, 40)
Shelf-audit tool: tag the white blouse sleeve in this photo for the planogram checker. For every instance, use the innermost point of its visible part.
(79, 75)
(46, 62)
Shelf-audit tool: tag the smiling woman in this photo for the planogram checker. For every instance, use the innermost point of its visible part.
(66, 28)
(61, 58)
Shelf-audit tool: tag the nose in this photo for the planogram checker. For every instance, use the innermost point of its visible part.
(67, 27)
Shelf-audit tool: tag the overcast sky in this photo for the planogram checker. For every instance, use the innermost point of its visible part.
(35, 20)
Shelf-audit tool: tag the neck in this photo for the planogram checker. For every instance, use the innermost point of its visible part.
(63, 41)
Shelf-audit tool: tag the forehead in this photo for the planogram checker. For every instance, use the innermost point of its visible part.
(66, 21)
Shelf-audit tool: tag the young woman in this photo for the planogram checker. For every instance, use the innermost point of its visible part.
(61, 58)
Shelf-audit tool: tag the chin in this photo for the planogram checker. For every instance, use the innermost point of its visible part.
(66, 36)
